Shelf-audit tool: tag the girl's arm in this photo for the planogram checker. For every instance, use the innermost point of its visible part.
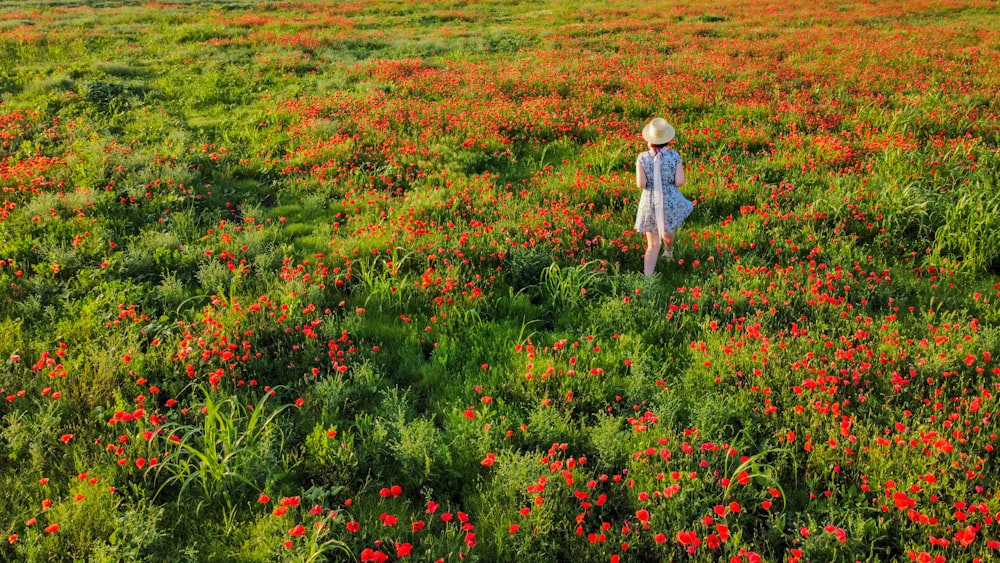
(640, 176)
(679, 175)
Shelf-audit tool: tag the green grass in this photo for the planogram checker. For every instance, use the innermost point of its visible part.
(278, 279)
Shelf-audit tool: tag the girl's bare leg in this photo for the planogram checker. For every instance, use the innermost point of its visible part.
(652, 249)
(668, 246)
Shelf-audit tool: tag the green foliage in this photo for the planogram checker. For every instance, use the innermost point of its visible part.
(299, 281)
(30, 436)
(329, 457)
(969, 232)
(234, 448)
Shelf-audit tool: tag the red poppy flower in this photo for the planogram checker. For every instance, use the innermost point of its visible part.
(966, 535)
(642, 515)
(688, 539)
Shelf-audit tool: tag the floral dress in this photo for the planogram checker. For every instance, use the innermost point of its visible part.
(676, 207)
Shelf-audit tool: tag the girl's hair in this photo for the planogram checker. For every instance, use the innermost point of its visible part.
(660, 146)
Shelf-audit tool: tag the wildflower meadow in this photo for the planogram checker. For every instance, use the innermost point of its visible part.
(359, 281)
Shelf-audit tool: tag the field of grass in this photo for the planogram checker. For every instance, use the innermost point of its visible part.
(358, 281)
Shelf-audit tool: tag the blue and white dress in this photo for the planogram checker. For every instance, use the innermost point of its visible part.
(676, 207)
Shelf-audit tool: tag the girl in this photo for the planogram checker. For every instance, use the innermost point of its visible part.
(662, 207)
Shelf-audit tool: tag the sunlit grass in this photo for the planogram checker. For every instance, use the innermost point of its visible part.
(391, 246)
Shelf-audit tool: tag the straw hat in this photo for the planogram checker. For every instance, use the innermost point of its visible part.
(658, 132)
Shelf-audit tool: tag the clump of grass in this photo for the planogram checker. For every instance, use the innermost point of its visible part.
(52, 84)
(119, 70)
(227, 452)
